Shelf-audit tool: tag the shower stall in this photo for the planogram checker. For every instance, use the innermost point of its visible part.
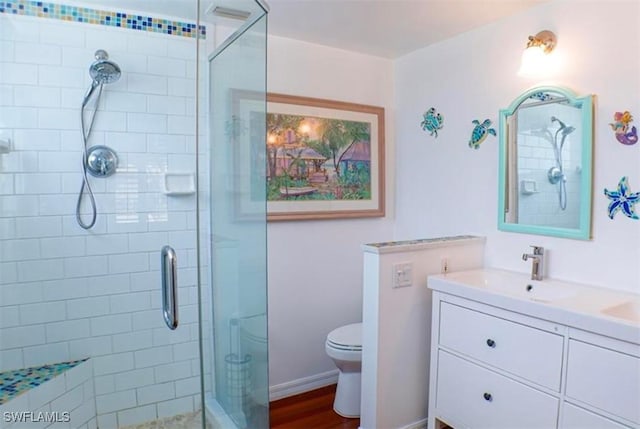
(133, 214)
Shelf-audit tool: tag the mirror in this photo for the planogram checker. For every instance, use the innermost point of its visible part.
(545, 164)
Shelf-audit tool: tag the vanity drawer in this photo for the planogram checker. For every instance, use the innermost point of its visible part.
(482, 399)
(530, 353)
(578, 418)
(605, 379)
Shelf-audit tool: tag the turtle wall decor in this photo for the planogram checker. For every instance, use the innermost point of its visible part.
(480, 132)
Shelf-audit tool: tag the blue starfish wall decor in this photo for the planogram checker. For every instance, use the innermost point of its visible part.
(623, 200)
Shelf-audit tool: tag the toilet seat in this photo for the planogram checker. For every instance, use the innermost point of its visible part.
(347, 338)
(344, 346)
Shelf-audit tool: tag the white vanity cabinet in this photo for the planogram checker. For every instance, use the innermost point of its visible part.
(604, 374)
(492, 368)
(480, 397)
(516, 348)
(574, 417)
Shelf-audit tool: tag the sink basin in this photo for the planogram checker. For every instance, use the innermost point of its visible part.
(629, 310)
(594, 309)
(514, 284)
(546, 293)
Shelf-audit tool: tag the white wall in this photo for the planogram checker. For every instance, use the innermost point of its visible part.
(67, 293)
(315, 267)
(444, 187)
(397, 328)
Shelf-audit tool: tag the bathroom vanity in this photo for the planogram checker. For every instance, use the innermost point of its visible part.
(508, 352)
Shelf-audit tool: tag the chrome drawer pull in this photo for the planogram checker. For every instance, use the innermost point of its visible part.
(487, 397)
(491, 343)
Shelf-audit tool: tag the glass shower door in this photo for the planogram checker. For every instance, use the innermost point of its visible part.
(84, 303)
(234, 275)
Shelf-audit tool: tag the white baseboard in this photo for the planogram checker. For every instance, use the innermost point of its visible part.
(420, 424)
(302, 385)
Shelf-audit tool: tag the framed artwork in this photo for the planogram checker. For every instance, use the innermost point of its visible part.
(324, 159)
(242, 136)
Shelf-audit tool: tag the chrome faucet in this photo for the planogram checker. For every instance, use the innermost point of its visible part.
(537, 267)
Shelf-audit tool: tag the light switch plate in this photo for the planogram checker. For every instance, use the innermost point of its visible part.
(402, 274)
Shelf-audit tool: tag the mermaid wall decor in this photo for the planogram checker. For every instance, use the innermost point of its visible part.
(620, 127)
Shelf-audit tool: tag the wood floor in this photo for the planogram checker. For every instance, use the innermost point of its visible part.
(311, 410)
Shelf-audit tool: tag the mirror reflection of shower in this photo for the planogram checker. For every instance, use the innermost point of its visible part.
(99, 161)
(556, 172)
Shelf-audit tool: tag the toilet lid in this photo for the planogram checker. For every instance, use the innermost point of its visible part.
(347, 337)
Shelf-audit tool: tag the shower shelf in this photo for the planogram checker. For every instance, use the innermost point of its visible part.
(528, 187)
(176, 184)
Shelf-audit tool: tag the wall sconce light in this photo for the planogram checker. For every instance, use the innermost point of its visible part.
(535, 58)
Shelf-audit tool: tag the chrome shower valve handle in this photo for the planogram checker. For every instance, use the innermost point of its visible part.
(102, 161)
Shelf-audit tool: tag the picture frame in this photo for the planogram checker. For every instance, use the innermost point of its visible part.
(325, 159)
(245, 130)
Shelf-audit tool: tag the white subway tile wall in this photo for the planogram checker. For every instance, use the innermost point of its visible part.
(67, 293)
(538, 198)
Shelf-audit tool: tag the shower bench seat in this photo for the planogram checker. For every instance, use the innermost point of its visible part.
(64, 390)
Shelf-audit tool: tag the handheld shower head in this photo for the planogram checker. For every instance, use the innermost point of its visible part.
(99, 161)
(565, 129)
(104, 71)
(562, 125)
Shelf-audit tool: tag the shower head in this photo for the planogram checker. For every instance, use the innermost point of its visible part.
(104, 71)
(554, 119)
(566, 129)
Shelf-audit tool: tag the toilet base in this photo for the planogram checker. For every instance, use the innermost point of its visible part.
(347, 401)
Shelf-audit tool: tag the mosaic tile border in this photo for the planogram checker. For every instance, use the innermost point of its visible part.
(17, 382)
(102, 17)
(421, 241)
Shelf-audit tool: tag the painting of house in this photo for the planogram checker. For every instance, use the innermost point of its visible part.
(315, 158)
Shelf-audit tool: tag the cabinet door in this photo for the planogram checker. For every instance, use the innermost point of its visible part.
(527, 352)
(483, 399)
(604, 378)
(578, 418)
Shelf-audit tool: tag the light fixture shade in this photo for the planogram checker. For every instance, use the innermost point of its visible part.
(533, 62)
(536, 59)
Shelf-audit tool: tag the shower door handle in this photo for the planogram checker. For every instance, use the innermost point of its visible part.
(169, 273)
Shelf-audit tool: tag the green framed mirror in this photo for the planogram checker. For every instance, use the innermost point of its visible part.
(545, 177)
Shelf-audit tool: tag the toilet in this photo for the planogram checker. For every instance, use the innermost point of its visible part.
(253, 342)
(344, 346)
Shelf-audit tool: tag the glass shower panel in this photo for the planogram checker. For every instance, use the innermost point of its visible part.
(85, 305)
(236, 364)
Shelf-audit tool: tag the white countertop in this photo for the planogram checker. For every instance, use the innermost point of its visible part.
(603, 311)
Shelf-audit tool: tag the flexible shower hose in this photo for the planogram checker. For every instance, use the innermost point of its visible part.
(86, 134)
